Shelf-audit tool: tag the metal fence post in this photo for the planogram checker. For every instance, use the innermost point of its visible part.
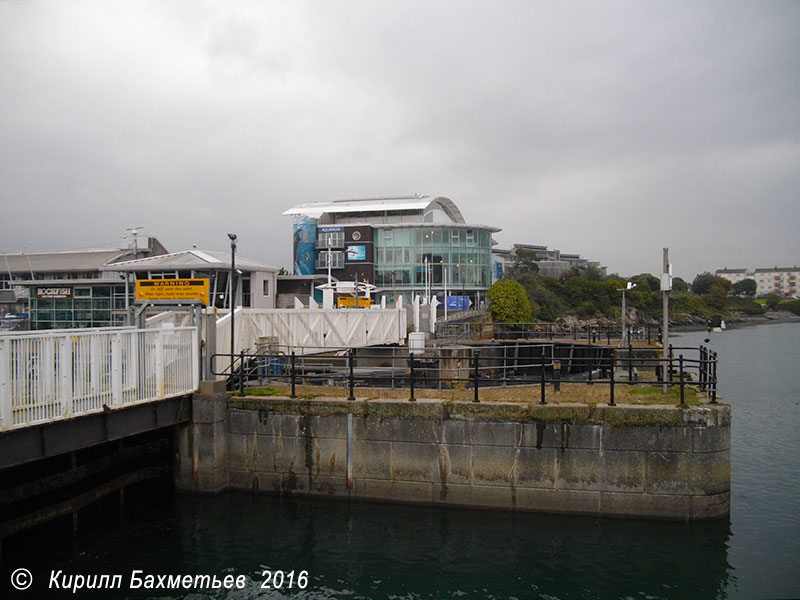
(557, 375)
(116, 370)
(411, 378)
(714, 378)
(630, 360)
(66, 376)
(541, 377)
(351, 382)
(680, 366)
(292, 374)
(702, 373)
(669, 365)
(160, 363)
(5, 384)
(475, 358)
(241, 373)
(611, 378)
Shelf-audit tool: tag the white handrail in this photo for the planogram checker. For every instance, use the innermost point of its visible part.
(53, 375)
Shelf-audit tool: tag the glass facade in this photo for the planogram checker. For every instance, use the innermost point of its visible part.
(89, 306)
(463, 253)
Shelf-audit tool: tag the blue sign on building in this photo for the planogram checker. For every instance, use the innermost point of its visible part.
(457, 302)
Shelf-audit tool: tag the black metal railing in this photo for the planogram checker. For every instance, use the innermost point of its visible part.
(594, 334)
(477, 367)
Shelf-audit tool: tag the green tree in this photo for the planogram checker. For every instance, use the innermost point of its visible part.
(649, 282)
(716, 298)
(703, 282)
(509, 302)
(679, 285)
(772, 300)
(745, 287)
(524, 263)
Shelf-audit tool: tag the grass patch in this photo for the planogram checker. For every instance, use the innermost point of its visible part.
(571, 393)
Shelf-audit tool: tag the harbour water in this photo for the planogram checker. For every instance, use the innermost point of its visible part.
(366, 551)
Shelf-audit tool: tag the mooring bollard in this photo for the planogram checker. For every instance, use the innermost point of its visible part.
(292, 374)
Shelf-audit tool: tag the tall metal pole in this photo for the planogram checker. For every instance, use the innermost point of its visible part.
(232, 298)
(445, 293)
(666, 286)
(623, 317)
(329, 262)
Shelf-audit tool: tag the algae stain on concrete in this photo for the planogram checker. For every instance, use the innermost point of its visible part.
(444, 471)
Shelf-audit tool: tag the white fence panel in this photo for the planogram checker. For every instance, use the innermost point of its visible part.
(53, 375)
(311, 328)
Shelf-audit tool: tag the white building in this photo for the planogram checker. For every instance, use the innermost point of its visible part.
(733, 275)
(255, 285)
(778, 280)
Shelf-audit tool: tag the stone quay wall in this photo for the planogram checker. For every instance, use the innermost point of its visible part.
(627, 461)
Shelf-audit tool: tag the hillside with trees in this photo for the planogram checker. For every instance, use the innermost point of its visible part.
(586, 294)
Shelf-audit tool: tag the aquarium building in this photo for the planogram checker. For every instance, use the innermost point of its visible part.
(401, 244)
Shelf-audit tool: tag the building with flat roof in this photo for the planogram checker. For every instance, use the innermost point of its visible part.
(74, 288)
(255, 283)
(774, 280)
(732, 275)
(778, 280)
(551, 263)
(96, 288)
(401, 244)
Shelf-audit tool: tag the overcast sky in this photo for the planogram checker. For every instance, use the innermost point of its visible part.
(608, 129)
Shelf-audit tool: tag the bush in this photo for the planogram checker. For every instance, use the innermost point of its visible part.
(509, 302)
(791, 306)
(772, 300)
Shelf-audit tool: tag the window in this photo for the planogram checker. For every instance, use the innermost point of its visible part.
(337, 260)
(266, 287)
(470, 237)
(388, 237)
(455, 237)
(336, 239)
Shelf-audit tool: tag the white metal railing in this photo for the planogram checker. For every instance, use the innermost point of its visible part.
(51, 375)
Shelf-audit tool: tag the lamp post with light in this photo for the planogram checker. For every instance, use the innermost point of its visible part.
(232, 297)
(629, 286)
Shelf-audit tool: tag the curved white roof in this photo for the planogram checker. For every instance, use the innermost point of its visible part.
(188, 259)
(388, 204)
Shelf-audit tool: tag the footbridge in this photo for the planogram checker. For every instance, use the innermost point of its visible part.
(52, 376)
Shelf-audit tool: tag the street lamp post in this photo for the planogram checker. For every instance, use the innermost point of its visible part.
(232, 296)
(629, 286)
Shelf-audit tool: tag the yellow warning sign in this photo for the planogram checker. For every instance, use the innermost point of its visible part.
(350, 302)
(172, 289)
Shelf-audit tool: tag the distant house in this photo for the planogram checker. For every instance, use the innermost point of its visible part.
(732, 275)
(551, 263)
(778, 280)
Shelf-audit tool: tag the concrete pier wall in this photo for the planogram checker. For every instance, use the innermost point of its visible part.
(637, 461)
